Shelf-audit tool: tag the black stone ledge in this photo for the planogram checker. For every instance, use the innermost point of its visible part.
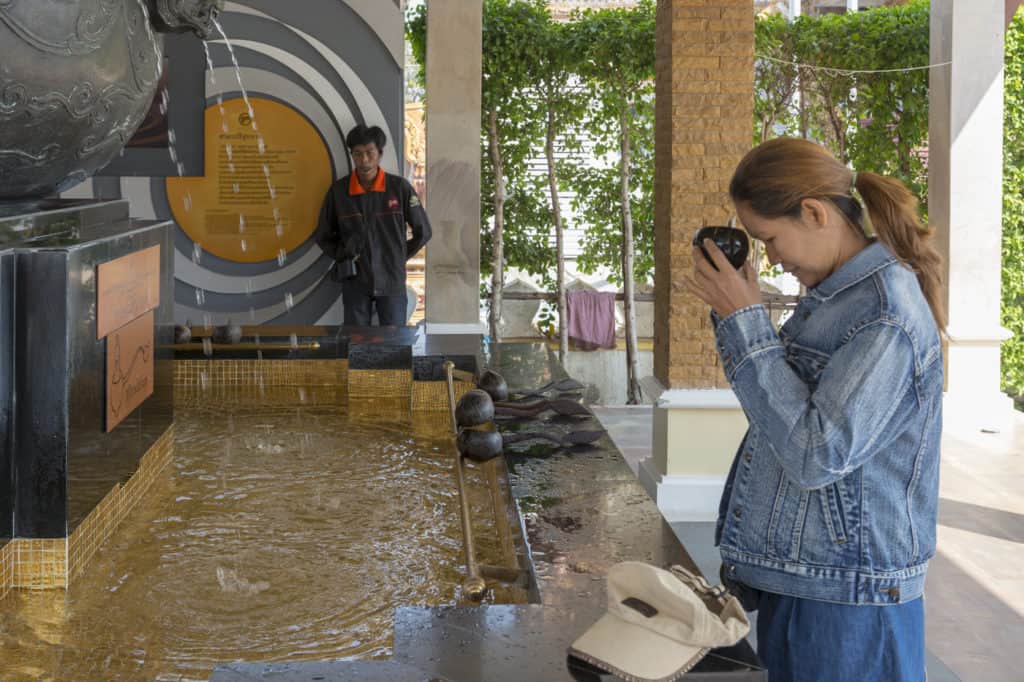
(335, 343)
(56, 221)
(506, 643)
(315, 671)
(6, 394)
(584, 511)
(431, 367)
(379, 356)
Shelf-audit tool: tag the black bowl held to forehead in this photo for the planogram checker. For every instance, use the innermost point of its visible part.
(732, 241)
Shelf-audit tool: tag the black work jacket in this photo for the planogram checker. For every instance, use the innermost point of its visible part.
(369, 227)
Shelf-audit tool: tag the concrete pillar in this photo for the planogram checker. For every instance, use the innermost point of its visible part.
(704, 116)
(965, 199)
(454, 51)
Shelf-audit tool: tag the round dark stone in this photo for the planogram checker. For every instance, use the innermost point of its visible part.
(478, 446)
(494, 384)
(227, 333)
(474, 408)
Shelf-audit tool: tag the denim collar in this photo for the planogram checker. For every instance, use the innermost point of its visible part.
(864, 263)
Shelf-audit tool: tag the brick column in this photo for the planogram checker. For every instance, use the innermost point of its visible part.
(704, 118)
(704, 124)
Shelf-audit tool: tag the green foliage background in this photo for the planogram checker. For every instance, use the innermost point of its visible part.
(1013, 211)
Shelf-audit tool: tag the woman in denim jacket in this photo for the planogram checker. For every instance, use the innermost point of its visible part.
(827, 520)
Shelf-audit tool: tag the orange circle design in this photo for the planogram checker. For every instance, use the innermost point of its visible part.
(253, 203)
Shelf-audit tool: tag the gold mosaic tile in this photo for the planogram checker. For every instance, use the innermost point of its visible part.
(265, 373)
(101, 522)
(38, 564)
(6, 569)
(433, 395)
(380, 383)
(249, 396)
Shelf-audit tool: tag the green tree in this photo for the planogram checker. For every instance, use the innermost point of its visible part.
(511, 29)
(514, 221)
(1013, 212)
(775, 78)
(559, 107)
(875, 121)
(616, 47)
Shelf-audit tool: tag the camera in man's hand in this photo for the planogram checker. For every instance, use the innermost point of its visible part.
(347, 268)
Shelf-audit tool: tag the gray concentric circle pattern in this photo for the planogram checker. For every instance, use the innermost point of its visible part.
(336, 64)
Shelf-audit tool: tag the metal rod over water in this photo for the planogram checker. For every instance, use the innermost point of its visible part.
(474, 585)
(312, 345)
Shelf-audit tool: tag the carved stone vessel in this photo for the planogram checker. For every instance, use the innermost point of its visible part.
(76, 80)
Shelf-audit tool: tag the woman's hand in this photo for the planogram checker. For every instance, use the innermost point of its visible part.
(727, 289)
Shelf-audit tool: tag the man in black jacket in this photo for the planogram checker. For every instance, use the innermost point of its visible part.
(362, 227)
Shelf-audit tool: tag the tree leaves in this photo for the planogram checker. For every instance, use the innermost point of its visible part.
(1013, 211)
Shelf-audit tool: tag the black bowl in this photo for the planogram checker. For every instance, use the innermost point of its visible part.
(479, 446)
(474, 408)
(494, 384)
(733, 242)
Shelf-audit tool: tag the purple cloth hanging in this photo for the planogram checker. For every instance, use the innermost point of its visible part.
(591, 318)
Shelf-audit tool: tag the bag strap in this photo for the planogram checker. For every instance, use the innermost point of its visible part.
(708, 592)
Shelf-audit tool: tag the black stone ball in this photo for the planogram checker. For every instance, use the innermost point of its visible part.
(182, 334)
(494, 384)
(228, 333)
(478, 446)
(474, 408)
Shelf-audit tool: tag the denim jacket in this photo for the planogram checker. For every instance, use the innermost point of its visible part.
(833, 492)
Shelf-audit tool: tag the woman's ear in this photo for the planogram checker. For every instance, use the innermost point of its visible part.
(814, 213)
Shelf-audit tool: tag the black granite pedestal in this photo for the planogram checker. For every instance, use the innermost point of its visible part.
(64, 460)
(6, 393)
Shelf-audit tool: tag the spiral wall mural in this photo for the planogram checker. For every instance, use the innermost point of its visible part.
(243, 237)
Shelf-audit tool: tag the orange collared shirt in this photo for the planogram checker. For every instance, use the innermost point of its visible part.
(355, 187)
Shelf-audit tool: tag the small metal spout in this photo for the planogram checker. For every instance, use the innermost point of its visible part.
(179, 16)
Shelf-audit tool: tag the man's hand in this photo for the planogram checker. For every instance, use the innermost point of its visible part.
(726, 289)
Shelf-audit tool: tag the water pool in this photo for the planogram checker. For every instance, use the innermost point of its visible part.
(277, 533)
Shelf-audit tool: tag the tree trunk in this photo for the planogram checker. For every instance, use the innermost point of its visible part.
(632, 382)
(498, 266)
(556, 213)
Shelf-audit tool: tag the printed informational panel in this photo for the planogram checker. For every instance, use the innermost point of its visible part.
(126, 288)
(266, 176)
(129, 368)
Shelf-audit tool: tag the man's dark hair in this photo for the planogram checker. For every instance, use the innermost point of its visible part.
(363, 135)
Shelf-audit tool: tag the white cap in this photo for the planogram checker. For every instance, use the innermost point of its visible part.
(659, 623)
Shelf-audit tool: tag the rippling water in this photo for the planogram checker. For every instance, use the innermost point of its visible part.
(276, 534)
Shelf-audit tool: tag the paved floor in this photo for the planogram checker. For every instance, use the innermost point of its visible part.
(975, 592)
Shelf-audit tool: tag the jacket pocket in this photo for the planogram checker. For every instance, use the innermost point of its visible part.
(834, 512)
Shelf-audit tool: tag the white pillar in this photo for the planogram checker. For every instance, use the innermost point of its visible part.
(454, 54)
(965, 199)
(851, 6)
(695, 435)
